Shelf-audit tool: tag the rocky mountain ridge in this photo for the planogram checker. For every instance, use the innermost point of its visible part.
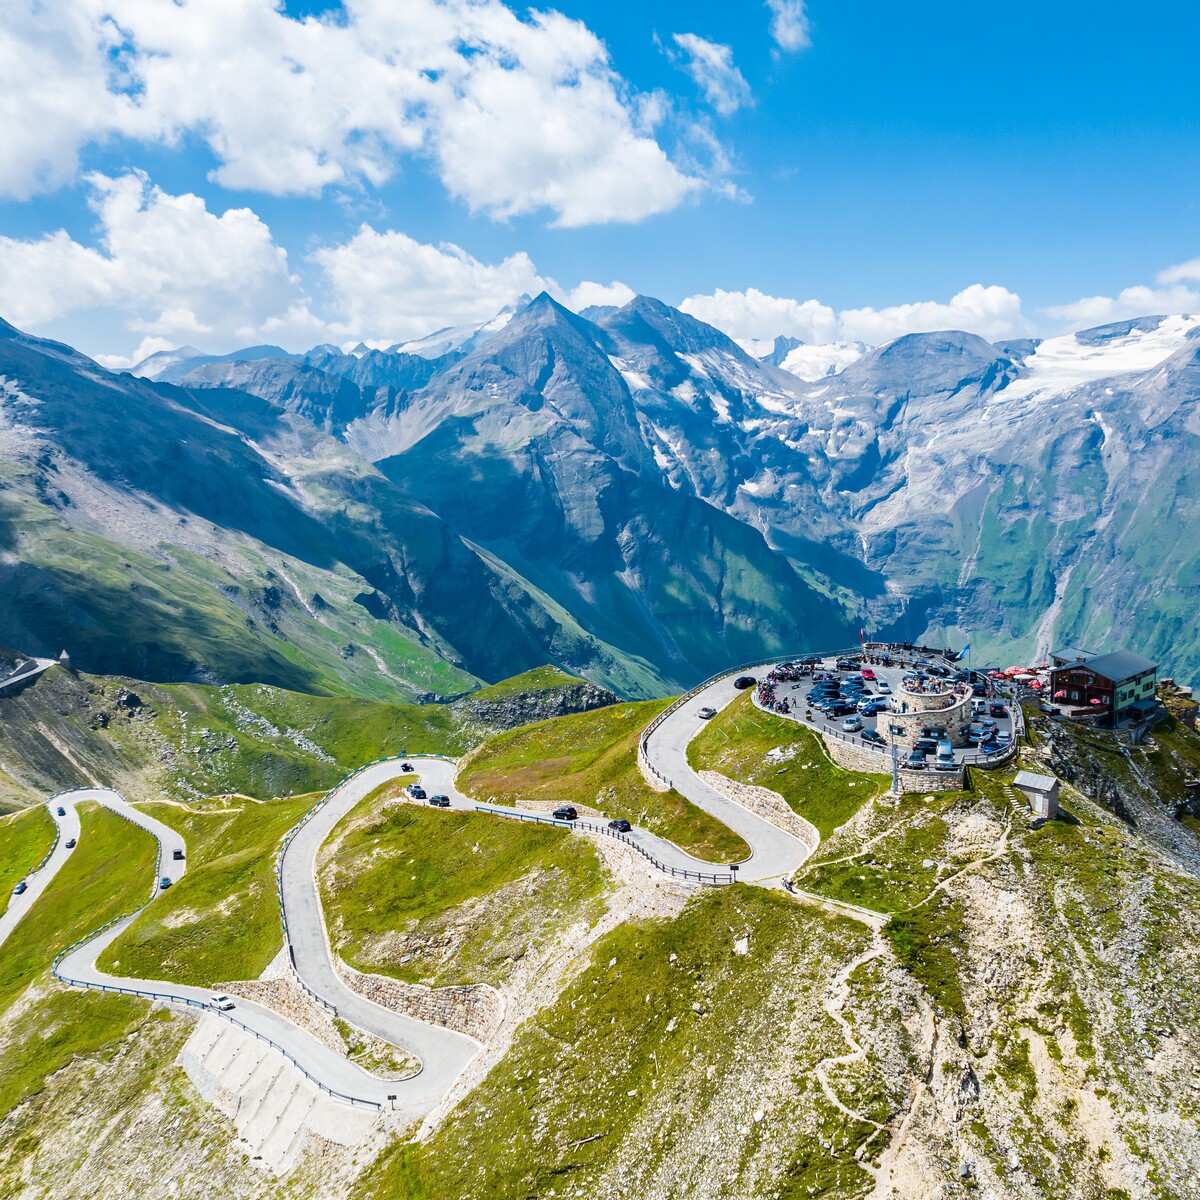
(943, 487)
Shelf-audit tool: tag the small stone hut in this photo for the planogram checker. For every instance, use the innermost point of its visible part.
(1041, 792)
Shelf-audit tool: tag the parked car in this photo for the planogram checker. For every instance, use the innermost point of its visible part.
(846, 664)
(852, 724)
(742, 682)
(945, 756)
(62, 812)
(620, 825)
(164, 883)
(177, 854)
(998, 710)
(221, 1001)
(70, 843)
(844, 709)
(22, 886)
(565, 813)
(415, 792)
(876, 739)
(440, 801)
(915, 761)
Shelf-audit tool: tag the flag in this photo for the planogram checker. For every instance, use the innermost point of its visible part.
(862, 637)
(964, 650)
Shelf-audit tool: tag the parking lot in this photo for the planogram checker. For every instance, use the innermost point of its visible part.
(855, 702)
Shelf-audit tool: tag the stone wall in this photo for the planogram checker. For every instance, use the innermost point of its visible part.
(286, 997)
(859, 758)
(475, 1010)
(771, 806)
(951, 710)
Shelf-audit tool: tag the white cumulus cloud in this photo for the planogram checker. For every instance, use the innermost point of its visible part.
(388, 287)
(515, 115)
(714, 72)
(752, 315)
(1171, 295)
(176, 270)
(789, 24)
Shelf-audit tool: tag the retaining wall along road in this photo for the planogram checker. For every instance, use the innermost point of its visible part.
(856, 757)
(475, 1010)
(763, 802)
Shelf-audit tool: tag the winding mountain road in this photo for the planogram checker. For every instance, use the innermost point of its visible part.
(444, 1053)
(774, 853)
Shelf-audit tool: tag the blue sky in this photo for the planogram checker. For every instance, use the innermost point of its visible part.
(222, 172)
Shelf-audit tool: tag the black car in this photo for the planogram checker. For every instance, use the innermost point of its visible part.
(177, 855)
(566, 813)
(70, 843)
(620, 825)
(406, 766)
(62, 812)
(742, 682)
(876, 739)
(440, 801)
(21, 887)
(417, 793)
(998, 710)
(841, 709)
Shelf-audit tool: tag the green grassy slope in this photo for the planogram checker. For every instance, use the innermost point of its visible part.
(220, 922)
(736, 743)
(591, 759)
(24, 839)
(192, 741)
(446, 898)
(538, 680)
(668, 1032)
(109, 873)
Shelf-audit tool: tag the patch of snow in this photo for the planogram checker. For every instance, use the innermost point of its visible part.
(811, 363)
(635, 381)
(1063, 363)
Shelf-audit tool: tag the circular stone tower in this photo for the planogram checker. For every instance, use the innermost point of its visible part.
(936, 703)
